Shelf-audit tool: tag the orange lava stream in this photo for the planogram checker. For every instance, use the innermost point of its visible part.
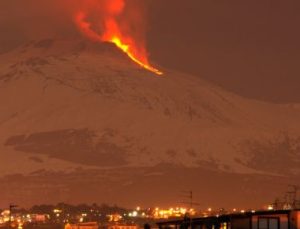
(125, 48)
(113, 35)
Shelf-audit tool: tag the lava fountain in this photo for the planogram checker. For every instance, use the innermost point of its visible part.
(111, 31)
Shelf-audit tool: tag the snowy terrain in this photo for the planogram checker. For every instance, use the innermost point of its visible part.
(82, 111)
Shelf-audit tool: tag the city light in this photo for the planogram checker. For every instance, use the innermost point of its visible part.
(121, 217)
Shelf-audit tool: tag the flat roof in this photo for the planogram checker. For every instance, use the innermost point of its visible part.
(226, 217)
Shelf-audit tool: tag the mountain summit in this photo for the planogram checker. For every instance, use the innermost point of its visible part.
(81, 112)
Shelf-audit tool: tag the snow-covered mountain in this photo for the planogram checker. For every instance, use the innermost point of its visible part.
(80, 122)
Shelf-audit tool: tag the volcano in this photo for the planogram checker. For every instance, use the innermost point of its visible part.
(80, 122)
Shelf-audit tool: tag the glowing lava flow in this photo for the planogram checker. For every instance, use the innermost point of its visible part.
(113, 31)
(125, 48)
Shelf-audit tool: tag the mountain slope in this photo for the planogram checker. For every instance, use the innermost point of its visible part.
(72, 106)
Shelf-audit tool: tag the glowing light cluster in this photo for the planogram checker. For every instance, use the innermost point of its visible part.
(172, 212)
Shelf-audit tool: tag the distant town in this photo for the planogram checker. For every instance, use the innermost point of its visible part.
(61, 215)
(84, 216)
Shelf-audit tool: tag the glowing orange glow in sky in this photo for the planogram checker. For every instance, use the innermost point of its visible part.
(113, 33)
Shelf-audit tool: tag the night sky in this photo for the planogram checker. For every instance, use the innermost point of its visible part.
(249, 47)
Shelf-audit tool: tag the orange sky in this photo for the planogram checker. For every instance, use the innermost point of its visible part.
(251, 47)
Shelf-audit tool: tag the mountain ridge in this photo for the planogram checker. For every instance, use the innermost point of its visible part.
(81, 105)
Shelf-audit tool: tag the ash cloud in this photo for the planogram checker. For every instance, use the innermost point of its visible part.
(25, 20)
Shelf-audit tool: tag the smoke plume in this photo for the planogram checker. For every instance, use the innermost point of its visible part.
(34, 19)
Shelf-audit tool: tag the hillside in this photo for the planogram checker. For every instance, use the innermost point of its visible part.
(80, 110)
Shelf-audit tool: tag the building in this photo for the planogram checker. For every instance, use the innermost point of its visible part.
(122, 226)
(278, 219)
(90, 225)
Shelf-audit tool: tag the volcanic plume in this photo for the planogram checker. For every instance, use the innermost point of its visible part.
(107, 21)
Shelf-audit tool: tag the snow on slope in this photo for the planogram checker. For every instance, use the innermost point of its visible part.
(77, 104)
